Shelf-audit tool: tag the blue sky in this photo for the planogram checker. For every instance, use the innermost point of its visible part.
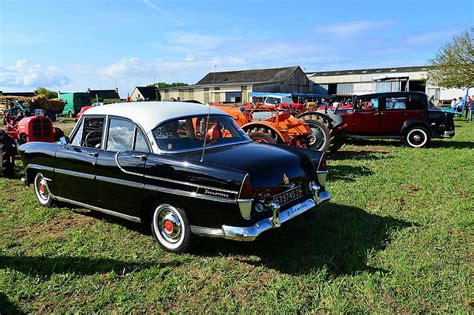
(74, 45)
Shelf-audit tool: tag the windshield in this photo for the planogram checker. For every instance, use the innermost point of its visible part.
(188, 133)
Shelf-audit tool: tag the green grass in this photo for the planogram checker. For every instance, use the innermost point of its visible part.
(396, 237)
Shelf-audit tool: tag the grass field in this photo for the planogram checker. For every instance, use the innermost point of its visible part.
(396, 237)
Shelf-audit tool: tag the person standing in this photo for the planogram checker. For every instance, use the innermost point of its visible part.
(471, 107)
(453, 103)
(467, 106)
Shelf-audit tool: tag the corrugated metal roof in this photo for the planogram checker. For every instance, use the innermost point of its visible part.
(368, 71)
(248, 76)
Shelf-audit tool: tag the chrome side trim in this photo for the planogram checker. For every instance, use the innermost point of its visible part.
(39, 167)
(74, 173)
(205, 231)
(188, 194)
(109, 212)
(172, 180)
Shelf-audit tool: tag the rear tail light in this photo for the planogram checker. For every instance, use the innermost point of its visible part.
(323, 167)
(245, 198)
(322, 171)
(246, 189)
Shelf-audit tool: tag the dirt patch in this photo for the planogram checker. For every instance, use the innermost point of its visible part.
(55, 228)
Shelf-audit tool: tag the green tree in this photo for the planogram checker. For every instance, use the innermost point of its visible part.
(164, 85)
(453, 66)
(47, 93)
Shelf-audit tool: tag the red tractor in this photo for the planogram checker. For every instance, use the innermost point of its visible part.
(19, 130)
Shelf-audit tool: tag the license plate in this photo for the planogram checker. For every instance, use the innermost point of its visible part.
(288, 196)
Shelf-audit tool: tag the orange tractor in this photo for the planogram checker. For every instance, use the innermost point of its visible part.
(274, 127)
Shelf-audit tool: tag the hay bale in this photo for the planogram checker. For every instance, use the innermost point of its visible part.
(34, 102)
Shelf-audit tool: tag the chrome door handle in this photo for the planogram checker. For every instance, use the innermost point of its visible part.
(141, 157)
(93, 154)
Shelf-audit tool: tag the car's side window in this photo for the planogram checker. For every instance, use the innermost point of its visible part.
(90, 133)
(124, 135)
(77, 137)
(393, 103)
(121, 134)
(417, 102)
(368, 104)
(140, 142)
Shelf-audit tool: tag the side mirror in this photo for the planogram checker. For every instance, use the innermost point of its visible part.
(64, 140)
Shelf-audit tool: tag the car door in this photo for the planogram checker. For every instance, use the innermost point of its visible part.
(75, 162)
(365, 118)
(393, 113)
(120, 167)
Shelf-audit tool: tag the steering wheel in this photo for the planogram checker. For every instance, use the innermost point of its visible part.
(89, 136)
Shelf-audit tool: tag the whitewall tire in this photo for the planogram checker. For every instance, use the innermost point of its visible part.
(171, 228)
(42, 192)
(417, 137)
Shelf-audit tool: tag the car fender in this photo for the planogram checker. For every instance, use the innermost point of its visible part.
(266, 124)
(409, 124)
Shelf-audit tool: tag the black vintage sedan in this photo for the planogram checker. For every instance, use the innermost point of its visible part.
(183, 168)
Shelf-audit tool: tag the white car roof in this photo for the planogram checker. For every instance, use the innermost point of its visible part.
(150, 114)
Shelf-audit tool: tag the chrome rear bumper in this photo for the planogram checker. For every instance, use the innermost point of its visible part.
(250, 233)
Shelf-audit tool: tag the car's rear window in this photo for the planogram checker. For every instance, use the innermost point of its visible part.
(189, 133)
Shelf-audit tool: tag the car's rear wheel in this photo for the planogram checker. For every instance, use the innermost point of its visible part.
(417, 137)
(42, 192)
(171, 228)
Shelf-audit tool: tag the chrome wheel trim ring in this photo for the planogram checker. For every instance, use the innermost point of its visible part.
(164, 217)
(42, 189)
(417, 138)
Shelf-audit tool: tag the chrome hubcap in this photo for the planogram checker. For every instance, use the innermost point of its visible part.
(42, 188)
(169, 225)
(417, 138)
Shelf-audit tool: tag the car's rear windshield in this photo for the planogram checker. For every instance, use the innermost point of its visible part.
(189, 133)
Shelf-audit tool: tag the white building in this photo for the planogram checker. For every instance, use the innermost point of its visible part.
(364, 81)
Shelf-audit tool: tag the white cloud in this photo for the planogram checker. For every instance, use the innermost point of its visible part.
(24, 75)
(352, 28)
(189, 57)
(430, 38)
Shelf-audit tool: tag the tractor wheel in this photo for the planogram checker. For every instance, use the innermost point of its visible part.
(259, 136)
(332, 139)
(7, 152)
(319, 139)
(341, 138)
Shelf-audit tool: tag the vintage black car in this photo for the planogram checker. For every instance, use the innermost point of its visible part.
(184, 168)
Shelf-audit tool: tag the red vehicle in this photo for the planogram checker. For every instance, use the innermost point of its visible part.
(403, 115)
(83, 109)
(28, 129)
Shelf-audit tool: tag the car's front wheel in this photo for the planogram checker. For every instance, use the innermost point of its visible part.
(171, 228)
(43, 195)
(417, 137)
